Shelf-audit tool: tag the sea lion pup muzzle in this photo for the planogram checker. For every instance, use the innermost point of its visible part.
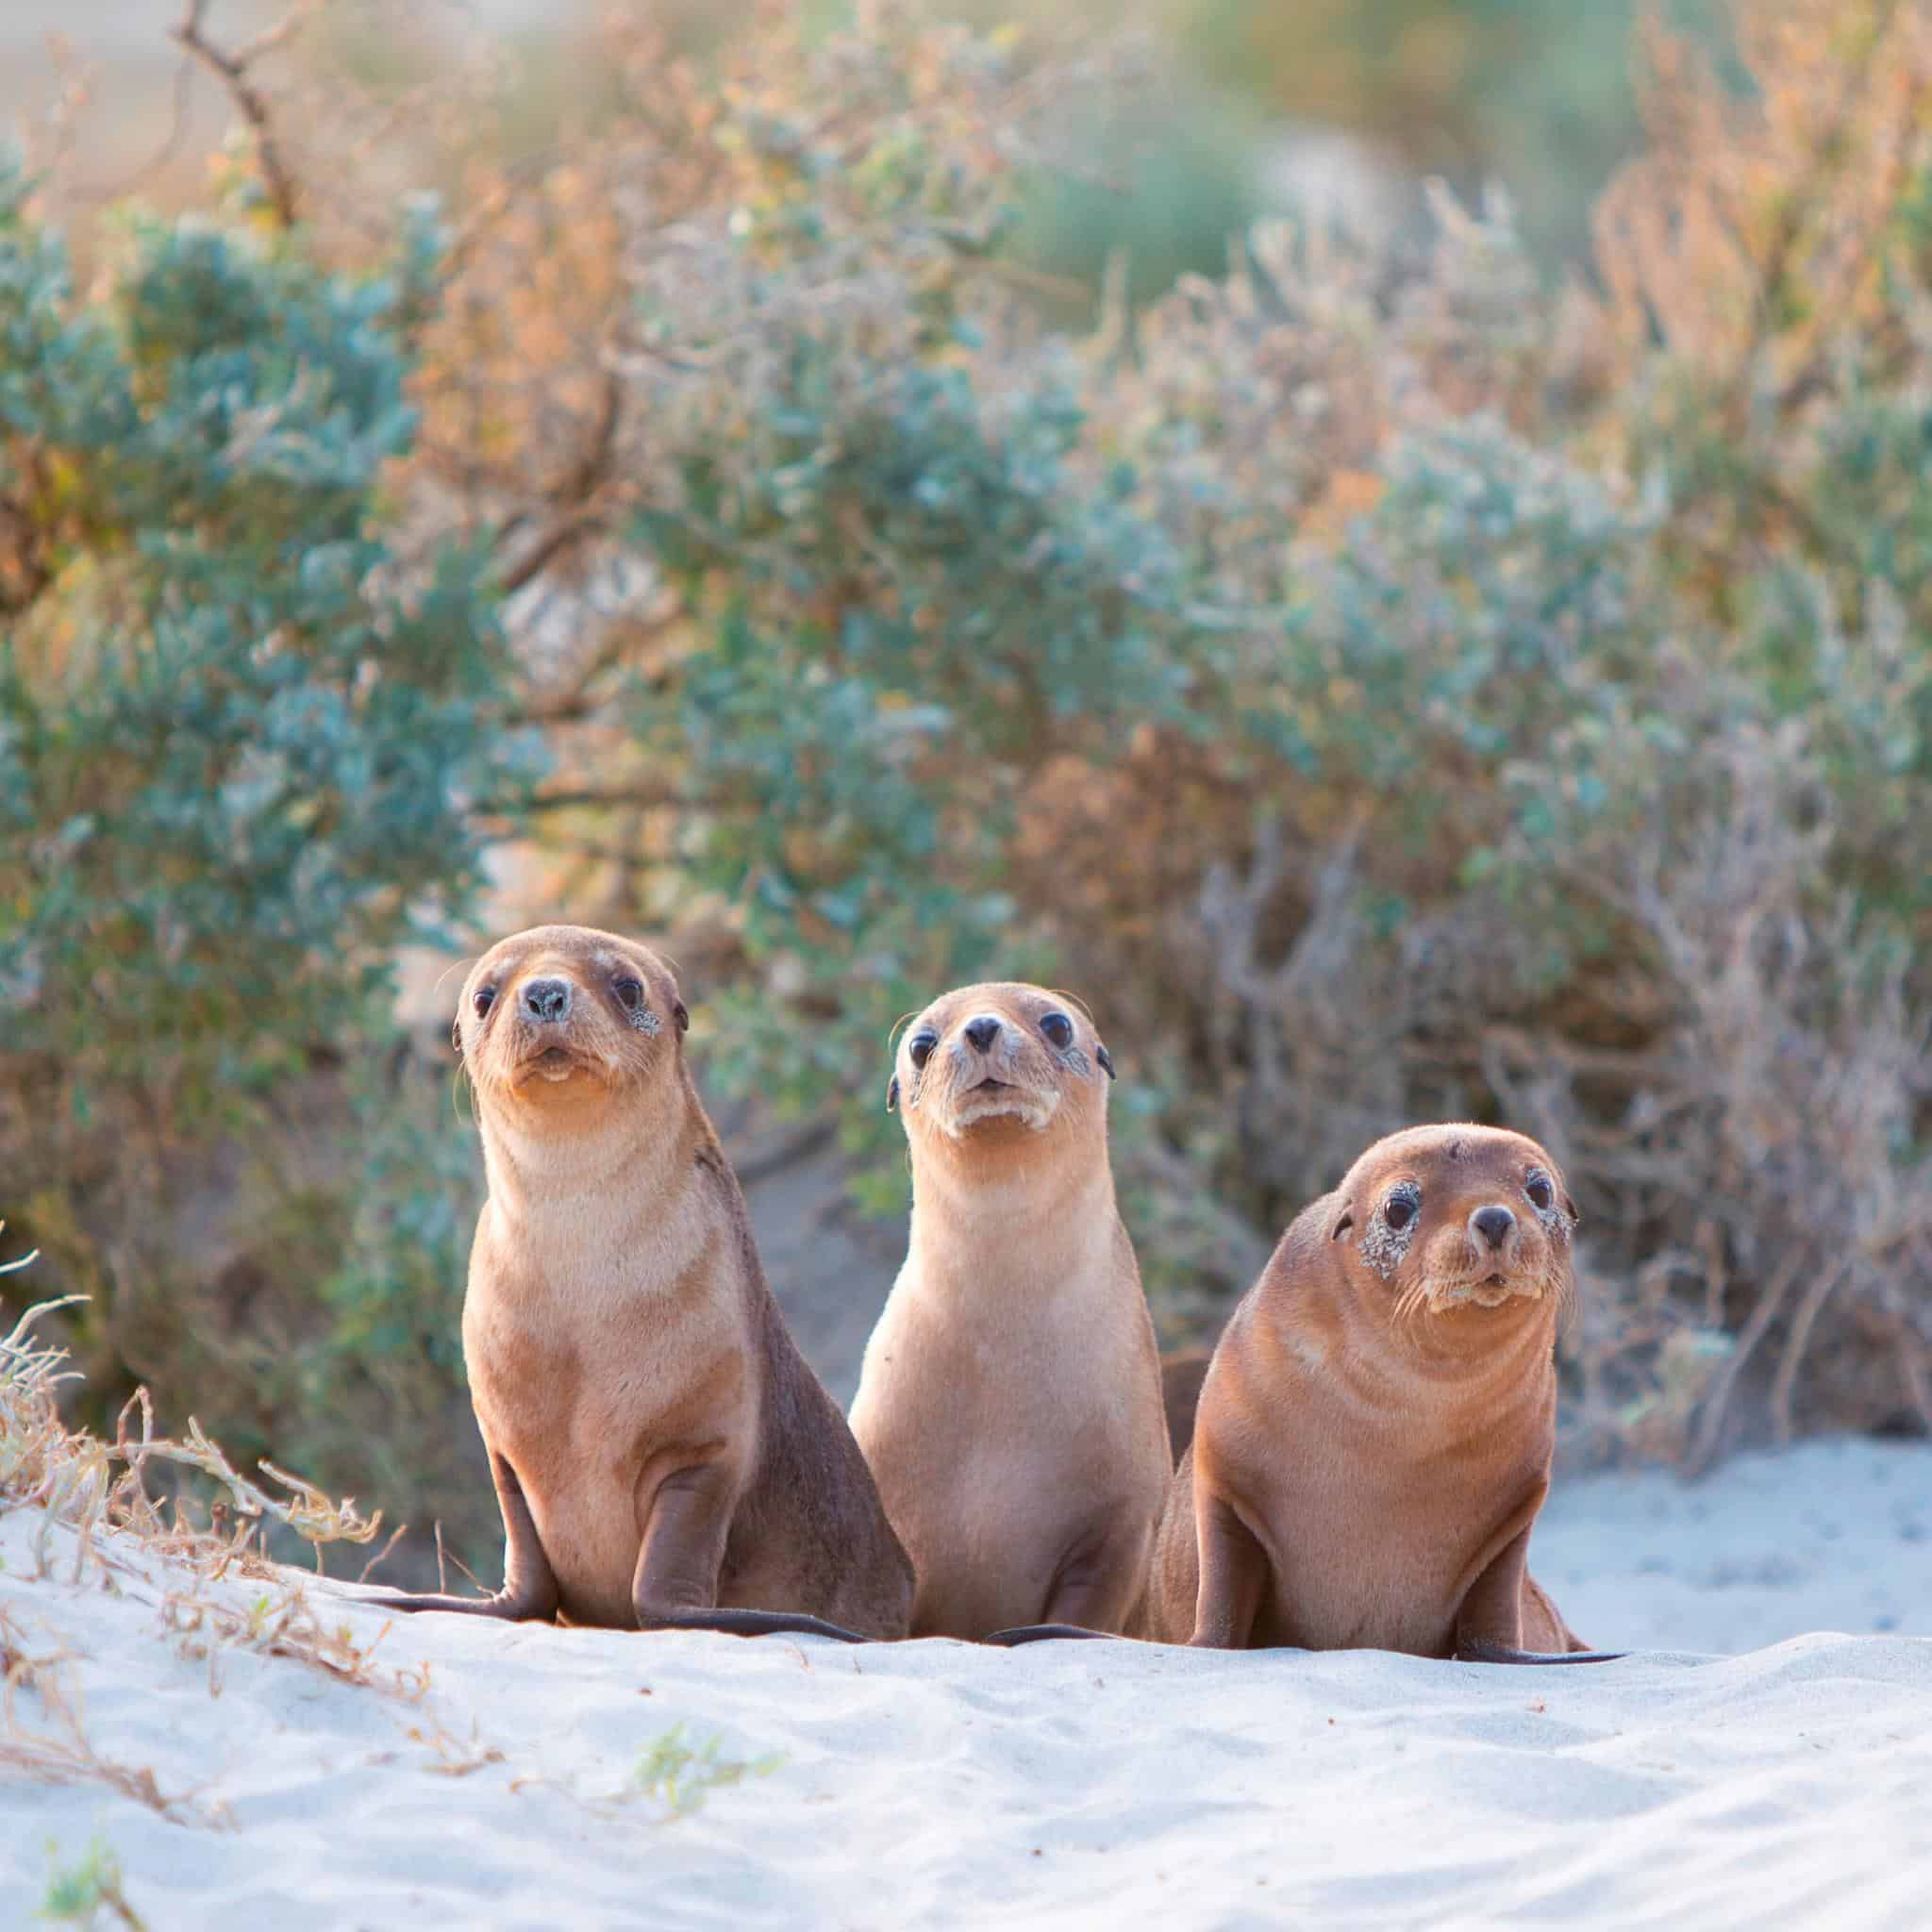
(1372, 1438)
(995, 1061)
(663, 1457)
(1009, 1403)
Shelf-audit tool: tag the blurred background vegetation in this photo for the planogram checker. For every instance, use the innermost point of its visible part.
(1386, 543)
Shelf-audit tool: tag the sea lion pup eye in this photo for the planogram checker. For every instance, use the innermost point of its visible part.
(1373, 1436)
(1011, 1399)
(663, 1457)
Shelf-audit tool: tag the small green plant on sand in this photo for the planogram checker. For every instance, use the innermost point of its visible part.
(671, 1771)
(80, 1894)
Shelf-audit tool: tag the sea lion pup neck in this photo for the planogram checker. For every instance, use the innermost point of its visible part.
(1373, 1439)
(662, 1455)
(1009, 1403)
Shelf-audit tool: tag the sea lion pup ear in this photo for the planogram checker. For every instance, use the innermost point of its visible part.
(681, 1014)
(1105, 1059)
(892, 1095)
(1344, 1225)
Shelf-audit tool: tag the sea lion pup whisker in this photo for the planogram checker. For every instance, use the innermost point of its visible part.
(1010, 1402)
(663, 1457)
(1373, 1436)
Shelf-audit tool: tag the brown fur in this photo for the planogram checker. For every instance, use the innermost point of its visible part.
(1374, 1434)
(1010, 1404)
(662, 1454)
(1181, 1375)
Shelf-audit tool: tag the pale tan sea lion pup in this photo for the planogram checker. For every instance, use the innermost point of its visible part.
(662, 1455)
(1372, 1441)
(1009, 1403)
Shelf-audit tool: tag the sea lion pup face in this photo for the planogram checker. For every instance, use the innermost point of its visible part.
(1447, 1219)
(999, 1061)
(562, 1018)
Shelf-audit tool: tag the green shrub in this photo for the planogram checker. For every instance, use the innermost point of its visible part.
(240, 727)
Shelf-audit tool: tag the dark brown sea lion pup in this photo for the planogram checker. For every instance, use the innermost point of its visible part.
(1373, 1437)
(1009, 1404)
(662, 1455)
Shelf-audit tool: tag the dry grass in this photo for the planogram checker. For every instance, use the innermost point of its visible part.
(95, 1487)
(281, 1621)
(97, 1519)
(57, 1749)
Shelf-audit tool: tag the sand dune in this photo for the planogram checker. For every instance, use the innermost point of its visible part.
(936, 1784)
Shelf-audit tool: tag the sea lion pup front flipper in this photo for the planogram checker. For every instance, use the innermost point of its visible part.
(758, 1623)
(1494, 1625)
(1497, 1654)
(663, 1457)
(1233, 1576)
(1373, 1437)
(687, 1527)
(1009, 1403)
(530, 1592)
(1040, 1633)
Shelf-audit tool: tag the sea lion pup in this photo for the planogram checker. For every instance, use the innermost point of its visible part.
(1009, 1401)
(662, 1455)
(1373, 1437)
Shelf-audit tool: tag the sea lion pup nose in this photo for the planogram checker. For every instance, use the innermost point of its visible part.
(1009, 1403)
(1373, 1439)
(662, 1455)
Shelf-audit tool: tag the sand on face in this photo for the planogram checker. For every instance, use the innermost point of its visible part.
(1106, 1784)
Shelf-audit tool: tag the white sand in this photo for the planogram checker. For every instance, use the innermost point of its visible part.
(934, 1784)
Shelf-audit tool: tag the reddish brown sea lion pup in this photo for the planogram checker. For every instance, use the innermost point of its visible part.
(1009, 1404)
(1374, 1438)
(663, 1457)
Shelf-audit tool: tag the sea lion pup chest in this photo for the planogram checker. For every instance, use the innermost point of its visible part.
(662, 1454)
(1009, 1403)
(1374, 1436)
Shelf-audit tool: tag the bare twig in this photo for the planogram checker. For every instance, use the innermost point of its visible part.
(590, 795)
(560, 538)
(381, 1556)
(444, 1556)
(232, 69)
(1786, 1379)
